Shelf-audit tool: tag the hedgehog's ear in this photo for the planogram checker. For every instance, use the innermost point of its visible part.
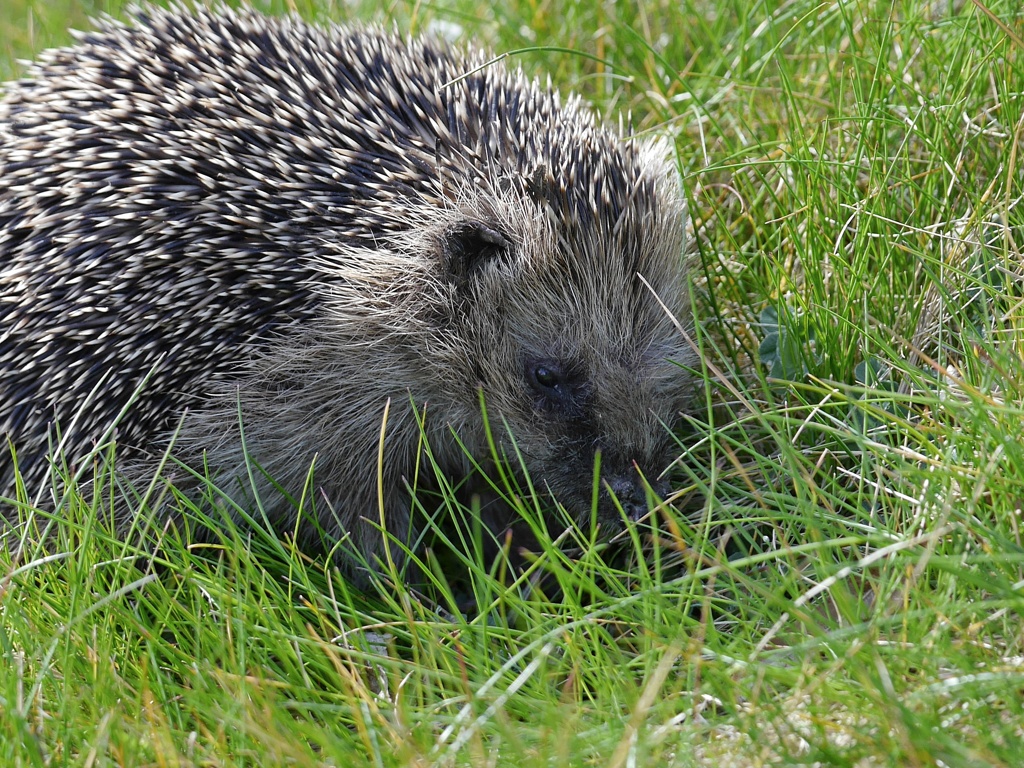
(468, 246)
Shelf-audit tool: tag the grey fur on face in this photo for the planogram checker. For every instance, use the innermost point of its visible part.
(305, 227)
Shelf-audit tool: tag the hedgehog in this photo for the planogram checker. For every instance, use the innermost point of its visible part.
(291, 256)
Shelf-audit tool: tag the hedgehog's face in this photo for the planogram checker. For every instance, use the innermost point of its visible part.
(581, 409)
(575, 354)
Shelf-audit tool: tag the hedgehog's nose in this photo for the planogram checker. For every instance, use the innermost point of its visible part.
(629, 490)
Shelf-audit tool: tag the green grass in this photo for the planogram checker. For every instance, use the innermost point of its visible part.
(844, 583)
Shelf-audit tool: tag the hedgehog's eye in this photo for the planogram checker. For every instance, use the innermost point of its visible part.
(545, 377)
(555, 389)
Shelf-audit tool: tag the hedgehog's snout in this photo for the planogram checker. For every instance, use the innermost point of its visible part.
(630, 489)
